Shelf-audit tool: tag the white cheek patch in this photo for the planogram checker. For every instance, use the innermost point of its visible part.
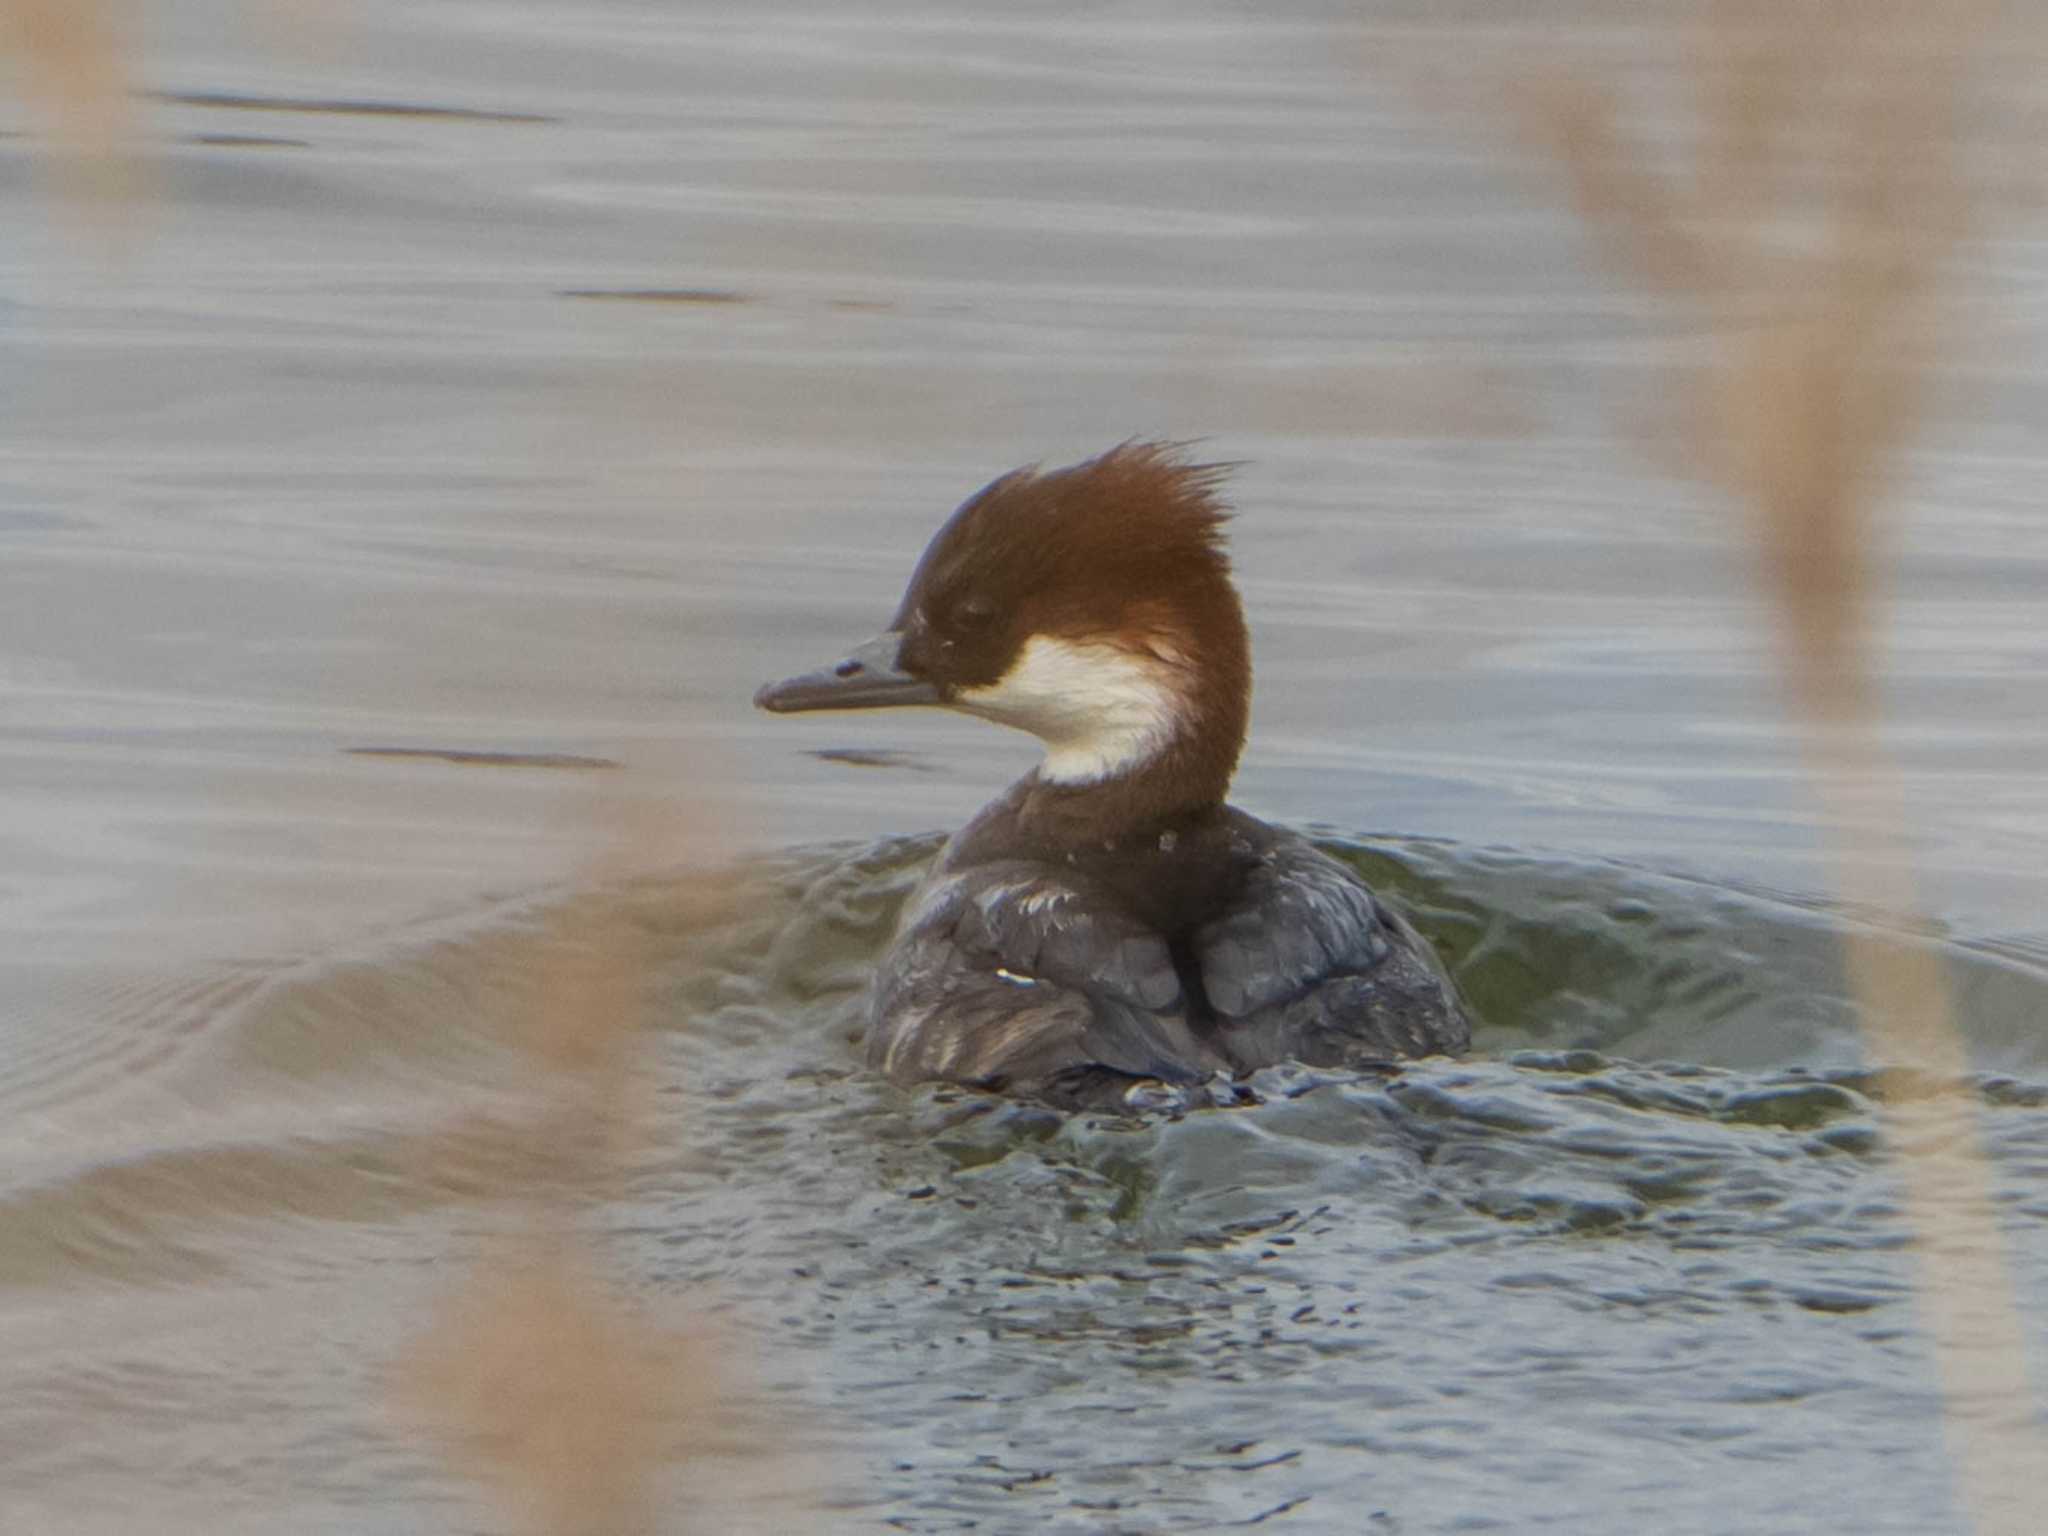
(1099, 709)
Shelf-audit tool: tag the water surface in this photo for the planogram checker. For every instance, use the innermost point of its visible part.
(508, 389)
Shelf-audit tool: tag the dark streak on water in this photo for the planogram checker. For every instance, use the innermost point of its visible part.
(235, 101)
(869, 757)
(244, 141)
(656, 295)
(471, 757)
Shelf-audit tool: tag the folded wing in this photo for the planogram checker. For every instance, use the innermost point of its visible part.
(1007, 976)
(1307, 964)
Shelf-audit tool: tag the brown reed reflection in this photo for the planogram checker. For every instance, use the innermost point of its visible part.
(70, 63)
(1823, 192)
(536, 1378)
(554, 1394)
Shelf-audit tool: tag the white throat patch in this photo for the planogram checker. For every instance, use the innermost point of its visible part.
(1099, 709)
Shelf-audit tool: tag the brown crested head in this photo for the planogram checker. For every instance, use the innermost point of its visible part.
(1053, 592)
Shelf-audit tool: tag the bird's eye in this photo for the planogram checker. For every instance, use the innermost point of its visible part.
(974, 613)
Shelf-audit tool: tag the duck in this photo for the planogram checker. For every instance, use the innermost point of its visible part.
(1110, 932)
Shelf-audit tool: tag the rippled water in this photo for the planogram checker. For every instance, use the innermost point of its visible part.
(1550, 1287)
(1556, 1285)
(493, 394)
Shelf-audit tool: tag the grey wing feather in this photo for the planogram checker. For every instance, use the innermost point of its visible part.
(1308, 964)
(1002, 976)
(1053, 931)
(1300, 917)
